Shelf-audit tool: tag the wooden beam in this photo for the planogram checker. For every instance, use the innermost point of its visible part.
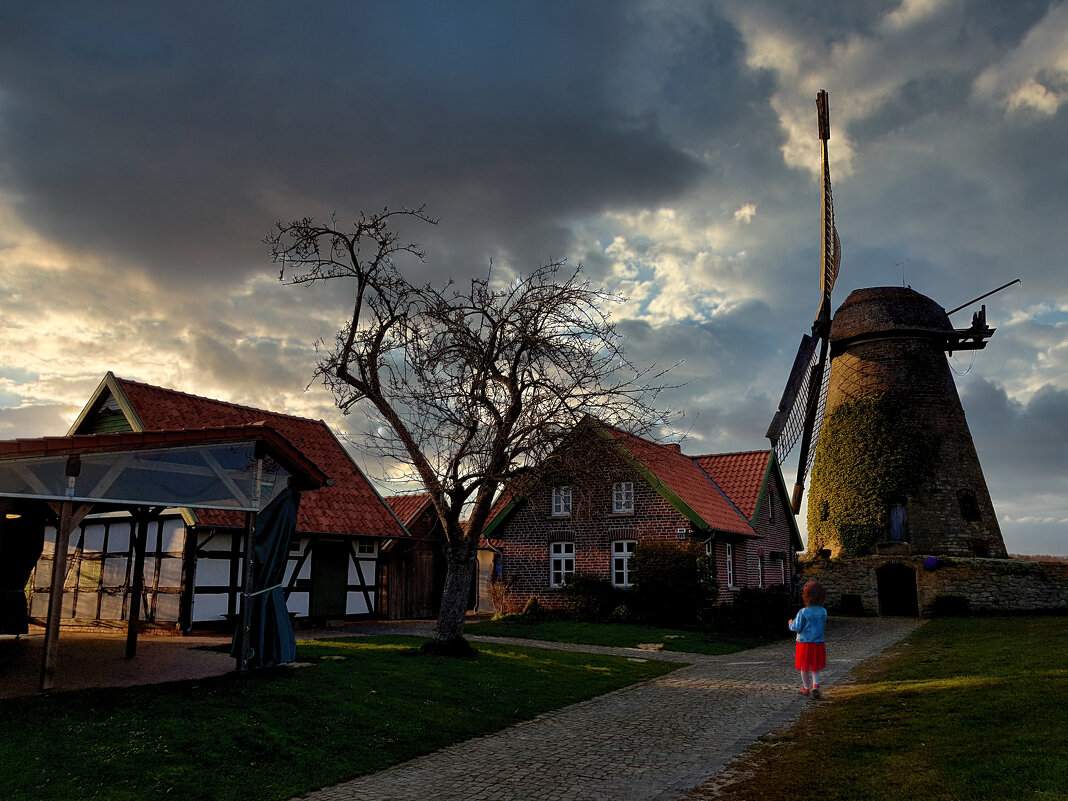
(143, 518)
(70, 516)
(246, 587)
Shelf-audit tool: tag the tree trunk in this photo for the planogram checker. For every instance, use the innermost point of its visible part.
(461, 567)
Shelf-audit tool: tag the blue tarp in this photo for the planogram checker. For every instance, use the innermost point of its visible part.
(271, 640)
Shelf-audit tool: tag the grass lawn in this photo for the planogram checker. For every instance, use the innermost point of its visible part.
(361, 705)
(620, 635)
(970, 708)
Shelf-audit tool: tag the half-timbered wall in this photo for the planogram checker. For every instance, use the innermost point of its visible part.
(220, 565)
(100, 574)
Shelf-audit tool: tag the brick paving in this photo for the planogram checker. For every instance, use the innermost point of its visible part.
(656, 740)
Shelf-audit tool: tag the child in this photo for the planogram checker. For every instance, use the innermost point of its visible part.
(810, 655)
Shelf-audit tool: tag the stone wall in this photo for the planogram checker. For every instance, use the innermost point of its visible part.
(942, 584)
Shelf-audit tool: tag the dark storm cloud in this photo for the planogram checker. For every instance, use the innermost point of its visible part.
(171, 136)
(1021, 445)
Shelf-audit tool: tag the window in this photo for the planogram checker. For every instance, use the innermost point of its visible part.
(622, 497)
(622, 551)
(709, 548)
(561, 501)
(969, 506)
(561, 563)
(365, 549)
(730, 566)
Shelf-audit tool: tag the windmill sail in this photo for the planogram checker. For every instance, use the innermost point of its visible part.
(800, 414)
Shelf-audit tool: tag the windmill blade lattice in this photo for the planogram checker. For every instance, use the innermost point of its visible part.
(789, 423)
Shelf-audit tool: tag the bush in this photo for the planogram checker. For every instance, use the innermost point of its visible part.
(532, 610)
(502, 597)
(592, 598)
(673, 584)
(755, 612)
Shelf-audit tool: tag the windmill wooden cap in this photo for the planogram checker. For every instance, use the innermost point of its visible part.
(886, 309)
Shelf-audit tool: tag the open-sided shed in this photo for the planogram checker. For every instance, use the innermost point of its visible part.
(62, 479)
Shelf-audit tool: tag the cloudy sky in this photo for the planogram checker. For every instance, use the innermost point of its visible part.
(668, 146)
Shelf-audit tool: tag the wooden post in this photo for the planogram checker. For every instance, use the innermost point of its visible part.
(69, 517)
(134, 622)
(246, 585)
(55, 597)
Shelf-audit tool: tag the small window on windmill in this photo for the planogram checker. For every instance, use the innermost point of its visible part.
(899, 521)
(969, 506)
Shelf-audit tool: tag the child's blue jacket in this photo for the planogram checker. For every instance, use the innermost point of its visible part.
(809, 624)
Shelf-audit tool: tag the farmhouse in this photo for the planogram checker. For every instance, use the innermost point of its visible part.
(589, 519)
(193, 556)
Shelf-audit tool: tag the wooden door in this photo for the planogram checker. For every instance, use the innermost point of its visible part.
(329, 579)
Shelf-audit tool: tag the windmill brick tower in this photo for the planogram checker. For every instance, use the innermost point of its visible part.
(896, 464)
(895, 470)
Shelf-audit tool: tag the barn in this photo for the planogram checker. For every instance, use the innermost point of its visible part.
(193, 558)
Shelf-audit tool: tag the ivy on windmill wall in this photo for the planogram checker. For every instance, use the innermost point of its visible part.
(871, 451)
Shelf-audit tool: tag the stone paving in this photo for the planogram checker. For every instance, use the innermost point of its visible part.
(655, 740)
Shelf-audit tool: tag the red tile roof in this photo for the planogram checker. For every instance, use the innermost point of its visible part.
(682, 476)
(408, 507)
(350, 506)
(740, 475)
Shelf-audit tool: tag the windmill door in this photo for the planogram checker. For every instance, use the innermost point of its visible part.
(898, 523)
(329, 579)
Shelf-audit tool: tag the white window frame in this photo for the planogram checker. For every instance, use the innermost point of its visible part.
(561, 562)
(366, 548)
(561, 502)
(623, 498)
(622, 551)
(730, 566)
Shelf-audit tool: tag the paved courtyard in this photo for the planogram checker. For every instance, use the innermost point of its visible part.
(655, 740)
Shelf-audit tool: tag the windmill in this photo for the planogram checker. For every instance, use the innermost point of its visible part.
(872, 402)
(800, 411)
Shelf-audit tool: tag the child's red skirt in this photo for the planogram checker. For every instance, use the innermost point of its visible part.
(810, 656)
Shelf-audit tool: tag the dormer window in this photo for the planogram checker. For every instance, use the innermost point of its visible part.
(623, 497)
(561, 501)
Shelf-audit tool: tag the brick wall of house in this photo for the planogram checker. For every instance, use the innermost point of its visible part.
(772, 521)
(528, 532)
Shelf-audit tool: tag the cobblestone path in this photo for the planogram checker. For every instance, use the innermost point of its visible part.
(655, 740)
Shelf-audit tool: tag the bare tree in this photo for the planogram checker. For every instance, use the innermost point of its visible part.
(468, 387)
